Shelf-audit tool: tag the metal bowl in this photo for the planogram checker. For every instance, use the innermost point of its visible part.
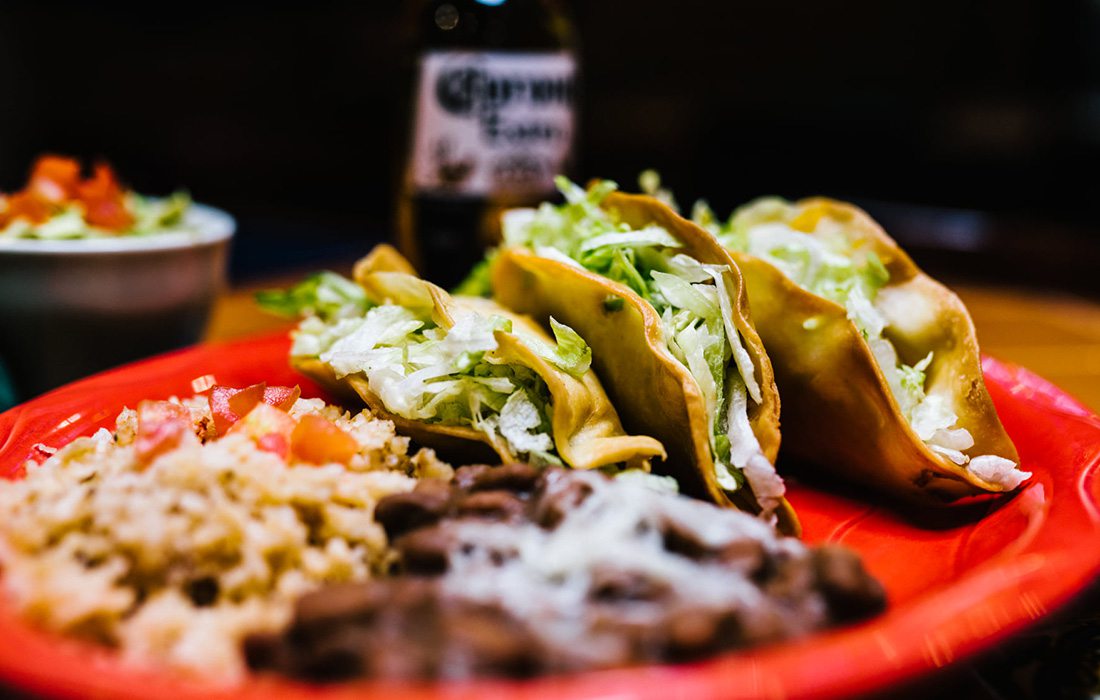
(69, 308)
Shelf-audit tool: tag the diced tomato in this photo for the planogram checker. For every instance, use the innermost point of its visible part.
(282, 397)
(275, 443)
(55, 182)
(228, 404)
(162, 426)
(108, 214)
(244, 400)
(104, 200)
(268, 427)
(320, 441)
(224, 417)
(26, 206)
(54, 179)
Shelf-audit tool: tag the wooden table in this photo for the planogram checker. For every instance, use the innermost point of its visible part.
(1054, 334)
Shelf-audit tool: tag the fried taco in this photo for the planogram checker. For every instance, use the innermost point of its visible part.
(877, 363)
(464, 376)
(663, 306)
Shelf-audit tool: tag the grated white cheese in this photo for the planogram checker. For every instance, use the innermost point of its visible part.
(546, 576)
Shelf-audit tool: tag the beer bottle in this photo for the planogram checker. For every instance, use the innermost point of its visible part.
(492, 123)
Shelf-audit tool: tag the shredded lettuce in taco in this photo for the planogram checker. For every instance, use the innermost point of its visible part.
(425, 372)
(691, 298)
(826, 264)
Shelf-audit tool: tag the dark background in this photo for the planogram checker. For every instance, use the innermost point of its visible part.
(967, 126)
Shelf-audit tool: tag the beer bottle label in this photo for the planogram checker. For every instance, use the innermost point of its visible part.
(492, 122)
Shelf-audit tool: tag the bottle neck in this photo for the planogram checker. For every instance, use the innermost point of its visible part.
(504, 25)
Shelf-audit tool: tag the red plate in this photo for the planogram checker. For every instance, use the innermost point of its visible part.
(955, 587)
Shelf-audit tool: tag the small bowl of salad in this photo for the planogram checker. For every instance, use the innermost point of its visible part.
(93, 274)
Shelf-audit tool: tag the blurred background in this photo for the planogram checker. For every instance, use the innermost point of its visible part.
(970, 127)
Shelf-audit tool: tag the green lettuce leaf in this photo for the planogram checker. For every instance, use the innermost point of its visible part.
(153, 215)
(326, 295)
(572, 354)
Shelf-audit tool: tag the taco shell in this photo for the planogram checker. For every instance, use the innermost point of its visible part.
(585, 427)
(653, 392)
(839, 411)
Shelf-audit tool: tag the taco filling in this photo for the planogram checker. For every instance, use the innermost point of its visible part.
(692, 299)
(824, 262)
(425, 372)
(60, 203)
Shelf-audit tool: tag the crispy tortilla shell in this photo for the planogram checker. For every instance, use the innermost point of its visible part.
(654, 393)
(838, 410)
(585, 426)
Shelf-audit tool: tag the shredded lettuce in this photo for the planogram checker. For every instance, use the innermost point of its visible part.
(824, 265)
(326, 295)
(643, 238)
(650, 182)
(424, 372)
(521, 425)
(699, 299)
(691, 299)
(912, 378)
(152, 215)
(740, 354)
(572, 354)
(828, 265)
(66, 224)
